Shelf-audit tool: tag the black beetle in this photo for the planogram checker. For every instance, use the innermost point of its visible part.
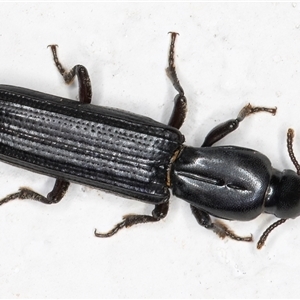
(137, 157)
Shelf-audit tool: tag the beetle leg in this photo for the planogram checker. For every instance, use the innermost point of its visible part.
(159, 212)
(229, 126)
(85, 88)
(180, 106)
(179, 112)
(58, 192)
(218, 227)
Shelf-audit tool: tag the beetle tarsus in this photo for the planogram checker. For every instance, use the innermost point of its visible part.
(25, 193)
(171, 71)
(223, 231)
(158, 213)
(57, 193)
(128, 221)
(249, 109)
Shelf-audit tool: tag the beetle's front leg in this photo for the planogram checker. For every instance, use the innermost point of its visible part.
(223, 129)
(218, 227)
(159, 212)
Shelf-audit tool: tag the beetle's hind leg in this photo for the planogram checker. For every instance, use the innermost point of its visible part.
(85, 88)
(159, 212)
(218, 227)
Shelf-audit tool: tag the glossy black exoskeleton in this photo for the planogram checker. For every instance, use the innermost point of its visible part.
(139, 158)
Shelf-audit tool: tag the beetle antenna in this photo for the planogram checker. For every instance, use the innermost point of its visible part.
(290, 137)
(264, 236)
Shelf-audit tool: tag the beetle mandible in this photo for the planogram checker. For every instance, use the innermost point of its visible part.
(139, 158)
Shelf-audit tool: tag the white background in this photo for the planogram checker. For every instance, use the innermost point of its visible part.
(227, 55)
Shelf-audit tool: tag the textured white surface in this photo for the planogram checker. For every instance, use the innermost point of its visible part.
(228, 54)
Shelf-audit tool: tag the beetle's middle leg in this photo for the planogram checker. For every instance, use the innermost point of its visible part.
(176, 120)
(223, 129)
(159, 212)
